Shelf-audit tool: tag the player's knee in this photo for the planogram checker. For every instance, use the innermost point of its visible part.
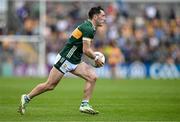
(93, 78)
(50, 86)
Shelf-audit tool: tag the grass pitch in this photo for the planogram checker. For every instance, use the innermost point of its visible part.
(117, 100)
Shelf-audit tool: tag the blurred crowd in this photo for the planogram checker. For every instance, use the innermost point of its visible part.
(146, 32)
(147, 35)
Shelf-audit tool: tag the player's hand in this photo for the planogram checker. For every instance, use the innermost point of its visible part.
(98, 61)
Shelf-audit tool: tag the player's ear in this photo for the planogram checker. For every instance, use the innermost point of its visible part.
(95, 16)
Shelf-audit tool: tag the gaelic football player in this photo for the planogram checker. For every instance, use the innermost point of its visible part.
(69, 60)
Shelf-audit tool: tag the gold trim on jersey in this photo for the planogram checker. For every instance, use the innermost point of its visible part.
(77, 33)
(86, 39)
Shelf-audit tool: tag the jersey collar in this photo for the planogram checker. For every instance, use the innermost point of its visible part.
(94, 27)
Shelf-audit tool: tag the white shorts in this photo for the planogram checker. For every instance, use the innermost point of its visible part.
(63, 65)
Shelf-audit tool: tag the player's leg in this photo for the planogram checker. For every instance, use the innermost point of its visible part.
(53, 79)
(86, 72)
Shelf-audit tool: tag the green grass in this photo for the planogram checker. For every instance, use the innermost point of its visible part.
(117, 100)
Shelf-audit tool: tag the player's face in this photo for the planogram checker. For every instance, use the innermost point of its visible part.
(100, 18)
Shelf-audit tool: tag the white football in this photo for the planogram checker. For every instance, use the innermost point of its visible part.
(92, 62)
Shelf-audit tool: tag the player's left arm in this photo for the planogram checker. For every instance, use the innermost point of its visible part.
(87, 50)
(87, 38)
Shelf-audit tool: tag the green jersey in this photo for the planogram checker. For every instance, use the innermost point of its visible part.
(73, 49)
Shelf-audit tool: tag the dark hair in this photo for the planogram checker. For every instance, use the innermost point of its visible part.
(94, 10)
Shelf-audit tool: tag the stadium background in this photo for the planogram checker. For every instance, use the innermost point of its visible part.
(146, 34)
(144, 37)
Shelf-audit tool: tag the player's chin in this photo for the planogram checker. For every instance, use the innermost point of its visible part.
(100, 25)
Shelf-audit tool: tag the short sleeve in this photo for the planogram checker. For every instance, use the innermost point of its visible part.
(87, 32)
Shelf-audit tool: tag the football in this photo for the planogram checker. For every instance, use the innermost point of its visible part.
(92, 62)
